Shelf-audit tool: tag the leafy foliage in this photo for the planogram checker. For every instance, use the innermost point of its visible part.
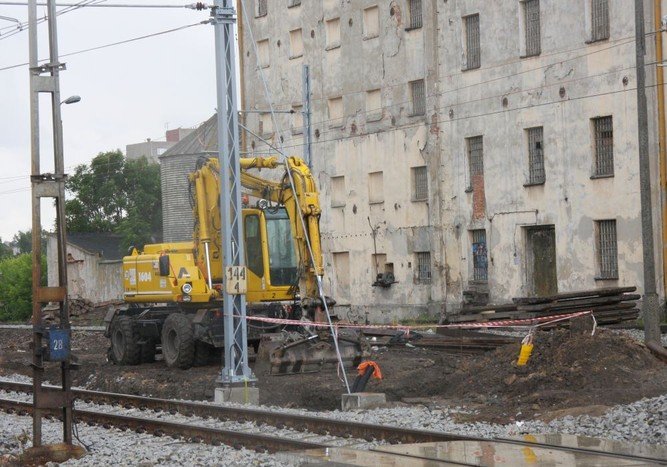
(16, 287)
(114, 194)
(5, 250)
(23, 240)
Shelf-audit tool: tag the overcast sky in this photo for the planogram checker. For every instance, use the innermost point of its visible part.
(129, 92)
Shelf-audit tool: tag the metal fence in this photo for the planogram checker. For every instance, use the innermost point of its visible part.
(599, 20)
(420, 183)
(418, 93)
(415, 14)
(423, 267)
(604, 146)
(479, 256)
(607, 249)
(473, 59)
(531, 10)
(535, 155)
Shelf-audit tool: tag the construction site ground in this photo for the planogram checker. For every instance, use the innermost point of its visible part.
(566, 375)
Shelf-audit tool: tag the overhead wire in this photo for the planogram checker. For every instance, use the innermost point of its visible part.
(22, 25)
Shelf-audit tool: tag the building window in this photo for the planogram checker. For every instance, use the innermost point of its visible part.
(607, 249)
(341, 263)
(265, 124)
(415, 9)
(296, 43)
(373, 107)
(535, 155)
(335, 108)
(419, 184)
(262, 7)
(599, 20)
(297, 119)
(480, 263)
(472, 42)
(375, 188)
(338, 197)
(603, 134)
(333, 33)
(423, 260)
(418, 97)
(371, 23)
(263, 53)
(293, 3)
(531, 18)
(475, 158)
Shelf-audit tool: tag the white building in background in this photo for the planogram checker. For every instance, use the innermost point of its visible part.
(152, 149)
(475, 150)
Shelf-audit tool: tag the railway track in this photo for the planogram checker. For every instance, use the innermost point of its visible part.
(349, 433)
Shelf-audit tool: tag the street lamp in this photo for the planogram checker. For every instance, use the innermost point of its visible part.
(71, 100)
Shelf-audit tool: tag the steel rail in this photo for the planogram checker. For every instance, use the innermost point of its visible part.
(194, 433)
(299, 422)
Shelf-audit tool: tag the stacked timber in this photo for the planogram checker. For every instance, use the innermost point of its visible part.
(609, 305)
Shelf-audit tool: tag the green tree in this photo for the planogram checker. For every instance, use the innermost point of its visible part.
(16, 287)
(5, 250)
(23, 240)
(114, 194)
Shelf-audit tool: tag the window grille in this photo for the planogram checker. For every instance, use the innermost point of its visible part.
(475, 157)
(536, 155)
(420, 183)
(479, 256)
(415, 14)
(423, 267)
(607, 249)
(418, 95)
(473, 59)
(604, 146)
(599, 20)
(262, 7)
(531, 10)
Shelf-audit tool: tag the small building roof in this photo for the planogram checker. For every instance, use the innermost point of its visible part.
(107, 245)
(202, 140)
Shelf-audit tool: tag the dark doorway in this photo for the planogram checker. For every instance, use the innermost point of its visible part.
(541, 260)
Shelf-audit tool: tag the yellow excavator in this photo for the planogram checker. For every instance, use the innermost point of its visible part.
(174, 290)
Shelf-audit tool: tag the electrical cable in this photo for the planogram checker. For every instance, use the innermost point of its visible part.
(22, 25)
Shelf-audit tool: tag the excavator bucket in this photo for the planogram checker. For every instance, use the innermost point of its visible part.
(288, 353)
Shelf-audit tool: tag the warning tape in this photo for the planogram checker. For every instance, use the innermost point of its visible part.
(526, 322)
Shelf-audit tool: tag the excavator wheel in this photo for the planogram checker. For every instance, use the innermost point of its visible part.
(178, 342)
(124, 347)
(203, 353)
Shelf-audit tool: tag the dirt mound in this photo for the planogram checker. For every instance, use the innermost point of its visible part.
(564, 371)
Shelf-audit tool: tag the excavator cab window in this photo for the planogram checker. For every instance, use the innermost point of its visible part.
(282, 257)
(253, 245)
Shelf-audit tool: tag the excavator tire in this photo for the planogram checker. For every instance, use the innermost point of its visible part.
(178, 342)
(148, 352)
(124, 347)
(202, 353)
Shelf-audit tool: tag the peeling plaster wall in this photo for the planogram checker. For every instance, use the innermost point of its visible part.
(592, 77)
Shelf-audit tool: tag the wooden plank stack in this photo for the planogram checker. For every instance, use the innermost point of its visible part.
(609, 305)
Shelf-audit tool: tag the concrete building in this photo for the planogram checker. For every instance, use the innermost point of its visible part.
(94, 266)
(152, 149)
(475, 150)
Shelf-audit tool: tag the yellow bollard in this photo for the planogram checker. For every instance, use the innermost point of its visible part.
(526, 349)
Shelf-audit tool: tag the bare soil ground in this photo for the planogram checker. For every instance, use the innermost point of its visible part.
(566, 374)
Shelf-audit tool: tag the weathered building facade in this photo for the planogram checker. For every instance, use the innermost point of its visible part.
(476, 150)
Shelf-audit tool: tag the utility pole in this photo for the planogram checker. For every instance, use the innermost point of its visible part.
(236, 375)
(307, 112)
(46, 79)
(650, 304)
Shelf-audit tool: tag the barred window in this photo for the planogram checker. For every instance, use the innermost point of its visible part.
(419, 184)
(423, 260)
(472, 52)
(607, 249)
(535, 155)
(262, 7)
(479, 256)
(418, 97)
(531, 14)
(475, 157)
(603, 129)
(599, 20)
(415, 14)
